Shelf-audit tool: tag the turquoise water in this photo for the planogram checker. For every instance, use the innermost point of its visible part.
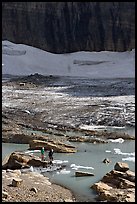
(88, 158)
(8, 148)
(93, 157)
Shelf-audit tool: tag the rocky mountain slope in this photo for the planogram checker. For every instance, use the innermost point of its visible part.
(62, 27)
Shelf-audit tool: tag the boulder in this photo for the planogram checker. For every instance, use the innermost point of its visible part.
(101, 186)
(82, 173)
(129, 175)
(18, 160)
(121, 166)
(106, 161)
(16, 182)
(56, 146)
(118, 185)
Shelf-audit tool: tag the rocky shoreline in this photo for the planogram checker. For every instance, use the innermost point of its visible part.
(21, 183)
(27, 116)
(34, 188)
(118, 185)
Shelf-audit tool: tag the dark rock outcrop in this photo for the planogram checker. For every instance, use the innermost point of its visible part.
(62, 27)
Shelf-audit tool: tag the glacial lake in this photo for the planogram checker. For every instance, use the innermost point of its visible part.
(89, 158)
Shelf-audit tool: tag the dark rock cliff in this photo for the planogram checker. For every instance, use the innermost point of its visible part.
(60, 27)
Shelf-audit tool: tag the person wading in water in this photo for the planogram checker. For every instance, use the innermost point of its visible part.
(42, 153)
(50, 156)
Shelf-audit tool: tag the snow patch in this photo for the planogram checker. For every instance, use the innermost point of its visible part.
(108, 151)
(63, 171)
(129, 159)
(60, 161)
(74, 166)
(32, 151)
(19, 59)
(99, 127)
(131, 154)
(118, 151)
(119, 140)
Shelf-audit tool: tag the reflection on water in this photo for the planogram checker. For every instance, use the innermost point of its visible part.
(88, 158)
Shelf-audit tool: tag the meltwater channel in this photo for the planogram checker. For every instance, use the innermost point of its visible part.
(88, 158)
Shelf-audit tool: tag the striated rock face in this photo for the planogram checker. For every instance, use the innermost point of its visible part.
(61, 27)
(117, 185)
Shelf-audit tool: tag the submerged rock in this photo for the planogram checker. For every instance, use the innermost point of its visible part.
(83, 173)
(106, 161)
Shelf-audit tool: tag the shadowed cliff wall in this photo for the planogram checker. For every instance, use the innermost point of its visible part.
(61, 27)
